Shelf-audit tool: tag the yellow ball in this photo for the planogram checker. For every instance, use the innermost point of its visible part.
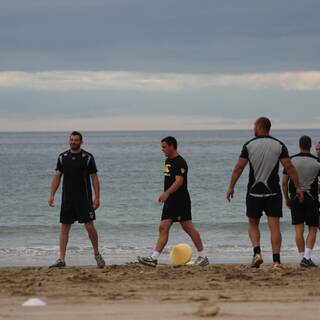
(180, 254)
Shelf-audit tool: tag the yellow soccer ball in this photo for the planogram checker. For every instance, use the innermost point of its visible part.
(180, 254)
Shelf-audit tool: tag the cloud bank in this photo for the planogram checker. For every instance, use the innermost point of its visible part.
(123, 80)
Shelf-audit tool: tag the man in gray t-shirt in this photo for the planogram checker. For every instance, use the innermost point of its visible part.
(264, 153)
(306, 212)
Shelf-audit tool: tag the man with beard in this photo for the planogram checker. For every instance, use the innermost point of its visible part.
(264, 153)
(78, 169)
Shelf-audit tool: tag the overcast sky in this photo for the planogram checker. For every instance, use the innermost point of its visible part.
(166, 64)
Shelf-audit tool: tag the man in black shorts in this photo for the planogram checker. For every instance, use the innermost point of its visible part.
(79, 169)
(177, 204)
(307, 212)
(264, 193)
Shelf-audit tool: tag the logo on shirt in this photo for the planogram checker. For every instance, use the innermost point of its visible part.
(183, 170)
(166, 170)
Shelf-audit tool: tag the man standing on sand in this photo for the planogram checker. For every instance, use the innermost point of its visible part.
(307, 212)
(264, 193)
(78, 167)
(318, 154)
(177, 204)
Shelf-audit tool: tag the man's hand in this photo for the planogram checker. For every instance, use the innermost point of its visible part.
(96, 204)
(230, 194)
(51, 201)
(300, 194)
(164, 197)
(288, 203)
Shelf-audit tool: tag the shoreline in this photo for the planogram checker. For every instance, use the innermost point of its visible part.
(89, 262)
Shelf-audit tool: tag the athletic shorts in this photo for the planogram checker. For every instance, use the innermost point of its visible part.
(177, 210)
(271, 206)
(306, 212)
(81, 212)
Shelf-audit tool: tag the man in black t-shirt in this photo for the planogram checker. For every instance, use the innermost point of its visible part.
(177, 204)
(264, 153)
(78, 169)
(318, 155)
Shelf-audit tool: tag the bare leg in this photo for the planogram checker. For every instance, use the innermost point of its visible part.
(189, 228)
(299, 237)
(164, 229)
(93, 236)
(276, 238)
(64, 237)
(311, 238)
(254, 232)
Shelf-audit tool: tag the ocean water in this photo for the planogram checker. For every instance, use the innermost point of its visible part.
(130, 171)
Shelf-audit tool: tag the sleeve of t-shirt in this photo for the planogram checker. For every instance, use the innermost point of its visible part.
(59, 166)
(92, 167)
(180, 169)
(244, 152)
(284, 152)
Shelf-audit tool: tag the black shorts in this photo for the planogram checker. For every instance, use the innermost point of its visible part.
(272, 206)
(306, 212)
(177, 210)
(81, 212)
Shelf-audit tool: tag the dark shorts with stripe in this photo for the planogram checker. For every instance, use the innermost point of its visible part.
(177, 210)
(306, 212)
(81, 212)
(271, 206)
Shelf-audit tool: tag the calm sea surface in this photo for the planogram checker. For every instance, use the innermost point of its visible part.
(130, 171)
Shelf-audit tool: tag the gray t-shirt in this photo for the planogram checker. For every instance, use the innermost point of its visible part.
(264, 154)
(308, 168)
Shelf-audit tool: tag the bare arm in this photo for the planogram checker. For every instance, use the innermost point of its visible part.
(174, 187)
(236, 174)
(293, 174)
(285, 189)
(96, 188)
(54, 187)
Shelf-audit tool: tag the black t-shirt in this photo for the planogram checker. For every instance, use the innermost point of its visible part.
(76, 169)
(173, 168)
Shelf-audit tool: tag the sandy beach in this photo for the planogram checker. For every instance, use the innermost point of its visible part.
(138, 292)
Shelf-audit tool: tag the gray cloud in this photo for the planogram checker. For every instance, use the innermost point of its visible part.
(167, 36)
(251, 43)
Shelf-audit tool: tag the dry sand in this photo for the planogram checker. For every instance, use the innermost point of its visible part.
(138, 292)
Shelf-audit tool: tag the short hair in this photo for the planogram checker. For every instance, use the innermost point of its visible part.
(76, 133)
(265, 123)
(305, 142)
(170, 141)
